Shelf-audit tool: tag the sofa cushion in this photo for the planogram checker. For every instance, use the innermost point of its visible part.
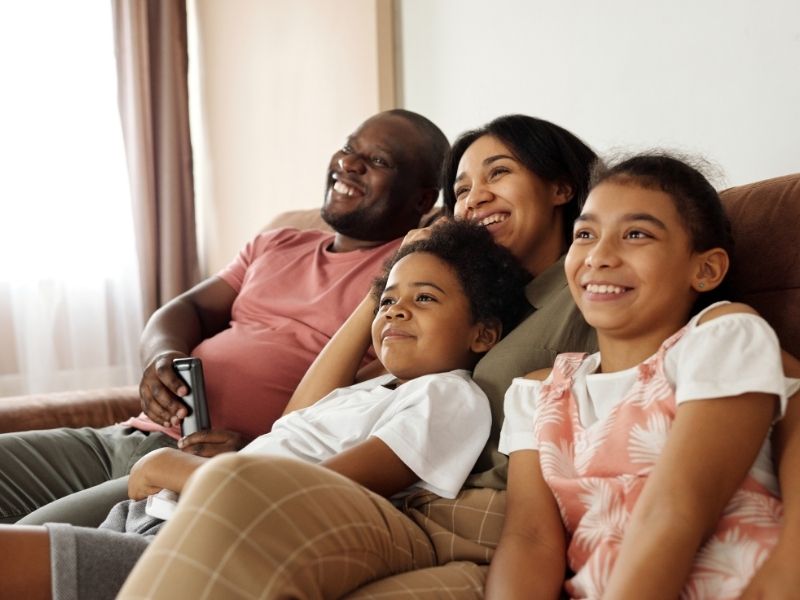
(765, 217)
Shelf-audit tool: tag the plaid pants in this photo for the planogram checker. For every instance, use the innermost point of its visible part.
(279, 528)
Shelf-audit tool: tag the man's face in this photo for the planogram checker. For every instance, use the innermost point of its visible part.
(373, 191)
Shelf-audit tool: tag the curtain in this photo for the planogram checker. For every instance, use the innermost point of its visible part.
(70, 304)
(152, 65)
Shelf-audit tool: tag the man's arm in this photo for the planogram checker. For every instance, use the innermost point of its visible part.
(172, 332)
(337, 364)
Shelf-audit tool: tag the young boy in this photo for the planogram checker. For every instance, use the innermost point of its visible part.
(441, 303)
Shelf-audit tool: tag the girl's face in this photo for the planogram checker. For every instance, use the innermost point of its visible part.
(631, 268)
(520, 209)
(424, 322)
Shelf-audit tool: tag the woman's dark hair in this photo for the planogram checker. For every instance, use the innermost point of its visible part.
(549, 151)
(696, 201)
(492, 279)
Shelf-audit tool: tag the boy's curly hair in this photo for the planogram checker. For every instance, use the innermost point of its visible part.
(492, 279)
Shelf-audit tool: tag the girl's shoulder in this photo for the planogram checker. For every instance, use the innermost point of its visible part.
(722, 309)
(539, 374)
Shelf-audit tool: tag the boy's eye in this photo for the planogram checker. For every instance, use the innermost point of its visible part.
(379, 161)
(386, 302)
(637, 234)
(425, 298)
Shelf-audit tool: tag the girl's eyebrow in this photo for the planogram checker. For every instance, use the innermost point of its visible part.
(486, 162)
(626, 218)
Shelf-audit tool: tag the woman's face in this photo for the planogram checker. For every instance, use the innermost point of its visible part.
(520, 209)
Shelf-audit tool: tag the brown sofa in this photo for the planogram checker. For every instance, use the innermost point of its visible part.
(765, 218)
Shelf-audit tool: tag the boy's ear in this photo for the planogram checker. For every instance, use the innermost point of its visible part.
(487, 335)
(712, 266)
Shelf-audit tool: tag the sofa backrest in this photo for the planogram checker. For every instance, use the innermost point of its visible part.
(765, 217)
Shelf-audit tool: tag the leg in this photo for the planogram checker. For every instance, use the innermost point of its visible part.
(250, 526)
(456, 580)
(25, 567)
(39, 467)
(87, 508)
(464, 531)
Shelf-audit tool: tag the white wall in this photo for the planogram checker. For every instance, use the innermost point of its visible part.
(716, 77)
(277, 85)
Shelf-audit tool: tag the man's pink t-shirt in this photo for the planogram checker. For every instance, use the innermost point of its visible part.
(293, 294)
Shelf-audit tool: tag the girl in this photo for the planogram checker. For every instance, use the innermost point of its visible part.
(647, 464)
(439, 308)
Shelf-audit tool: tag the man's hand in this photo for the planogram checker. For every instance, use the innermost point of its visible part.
(160, 389)
(210, 443)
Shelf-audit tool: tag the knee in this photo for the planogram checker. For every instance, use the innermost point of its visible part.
(232, 475)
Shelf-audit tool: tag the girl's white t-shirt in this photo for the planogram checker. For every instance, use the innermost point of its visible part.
(726, 356)
(436, 424)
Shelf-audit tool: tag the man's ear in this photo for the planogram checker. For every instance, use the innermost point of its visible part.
(487, 334)
(712, 266)
(427, 198)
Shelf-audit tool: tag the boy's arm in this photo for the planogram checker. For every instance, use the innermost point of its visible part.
(711, 446)
(779, 577)
(337, 364)
(375, 466)
(164, 468)
(530, 560)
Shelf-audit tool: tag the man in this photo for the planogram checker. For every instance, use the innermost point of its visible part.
(257, 326)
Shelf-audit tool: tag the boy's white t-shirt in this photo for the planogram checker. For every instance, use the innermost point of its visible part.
(726, 356)
(436, 424)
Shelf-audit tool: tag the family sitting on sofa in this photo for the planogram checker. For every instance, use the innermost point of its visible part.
(648, 423)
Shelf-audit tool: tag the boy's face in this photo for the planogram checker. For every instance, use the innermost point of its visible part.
(424, 323)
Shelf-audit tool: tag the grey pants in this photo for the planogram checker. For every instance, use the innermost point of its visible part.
(77, 475)
(93, 563)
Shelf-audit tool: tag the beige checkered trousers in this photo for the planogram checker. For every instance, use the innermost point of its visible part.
(258, 527)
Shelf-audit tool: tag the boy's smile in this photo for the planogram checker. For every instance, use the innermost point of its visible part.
(424, 323)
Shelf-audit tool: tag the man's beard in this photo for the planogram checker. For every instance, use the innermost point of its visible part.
(360, 224)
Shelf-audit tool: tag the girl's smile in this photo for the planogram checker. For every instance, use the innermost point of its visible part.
(630, 267)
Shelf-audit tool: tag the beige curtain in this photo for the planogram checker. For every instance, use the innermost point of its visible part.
(152, 62)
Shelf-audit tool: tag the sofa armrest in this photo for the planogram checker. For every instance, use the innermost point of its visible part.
(92, 408)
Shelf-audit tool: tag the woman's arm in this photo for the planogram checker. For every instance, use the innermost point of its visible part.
(337, 364)
(779, 577)
(530, 560)
(710, 448)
